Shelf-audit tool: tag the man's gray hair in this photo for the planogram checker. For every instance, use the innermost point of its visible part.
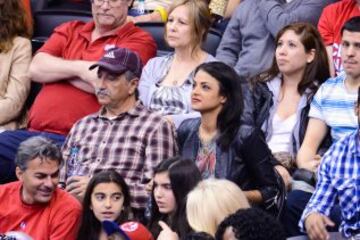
(129, 75)
(35, 147)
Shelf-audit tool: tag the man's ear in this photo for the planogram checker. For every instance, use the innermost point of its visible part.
(133, 85)
(19, 173)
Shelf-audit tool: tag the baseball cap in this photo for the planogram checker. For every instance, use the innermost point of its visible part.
(118, 60)
(129, 231)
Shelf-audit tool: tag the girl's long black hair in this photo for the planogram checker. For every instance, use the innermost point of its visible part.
(184, 176)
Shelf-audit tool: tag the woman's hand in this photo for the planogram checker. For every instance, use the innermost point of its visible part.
(285, 175)
(167, 233)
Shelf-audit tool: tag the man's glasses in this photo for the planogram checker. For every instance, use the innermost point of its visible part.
(112, 3)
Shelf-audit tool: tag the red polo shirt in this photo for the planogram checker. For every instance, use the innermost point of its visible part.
(59, 105)
(330, 23)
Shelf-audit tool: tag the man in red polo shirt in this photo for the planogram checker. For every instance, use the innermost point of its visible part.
(62, 66)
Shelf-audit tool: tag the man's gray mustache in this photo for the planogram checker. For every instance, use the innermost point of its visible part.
(102, 92)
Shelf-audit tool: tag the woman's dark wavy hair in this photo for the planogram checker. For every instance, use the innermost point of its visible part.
(228, 120)
(315, 72)
(12, 23)
(90, 226)
(184, 176)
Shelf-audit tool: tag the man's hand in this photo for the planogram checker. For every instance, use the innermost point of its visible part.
(166, 232)
(316, 224)
(76, 186)
(285, 175)
(313, 165)
(89, 76)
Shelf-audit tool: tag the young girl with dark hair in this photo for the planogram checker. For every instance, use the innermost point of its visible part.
(107, 197)
(173, 180)
(224, 142)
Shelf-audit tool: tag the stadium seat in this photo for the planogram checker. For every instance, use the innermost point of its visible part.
(46, 20)
(38, 5)
(156, 29)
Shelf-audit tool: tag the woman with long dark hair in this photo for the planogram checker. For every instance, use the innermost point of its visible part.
(282, 95)
(173, 180)
(223, 142)
(15, 57)
(107, 197)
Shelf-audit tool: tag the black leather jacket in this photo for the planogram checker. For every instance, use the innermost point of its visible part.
(247, 162)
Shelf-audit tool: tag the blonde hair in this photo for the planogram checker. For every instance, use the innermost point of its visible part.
(211, 201)
(200, 19)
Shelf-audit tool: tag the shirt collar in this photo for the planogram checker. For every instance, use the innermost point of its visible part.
(134, 112)
(89, 27)
(354, 144)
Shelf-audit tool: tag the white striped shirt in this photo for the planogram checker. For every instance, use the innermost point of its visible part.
(334, 105)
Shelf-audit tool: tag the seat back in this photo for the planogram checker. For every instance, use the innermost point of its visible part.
(212, 41)
(157, 30)
(37, 5)
(46, 20)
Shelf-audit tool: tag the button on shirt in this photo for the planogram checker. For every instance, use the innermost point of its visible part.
(339, 179)
(132, 143)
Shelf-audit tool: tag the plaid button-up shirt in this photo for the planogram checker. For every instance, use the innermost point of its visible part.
(339, 180)
(132, 143)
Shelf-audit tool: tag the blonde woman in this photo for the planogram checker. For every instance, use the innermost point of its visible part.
(166, 82)
(211, 201)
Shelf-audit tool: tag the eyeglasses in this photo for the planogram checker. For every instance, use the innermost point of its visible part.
(112, 3)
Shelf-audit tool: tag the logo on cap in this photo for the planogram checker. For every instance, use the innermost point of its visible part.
(110, 54)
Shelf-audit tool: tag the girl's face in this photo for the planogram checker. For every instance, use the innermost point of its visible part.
(290, 54)
(179, 28)
(163, 193)
(205, 95)
(107, 201)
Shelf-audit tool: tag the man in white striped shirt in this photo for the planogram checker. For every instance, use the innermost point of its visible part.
(333, 105)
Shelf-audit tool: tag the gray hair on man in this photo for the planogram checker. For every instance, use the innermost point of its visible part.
(37, 146)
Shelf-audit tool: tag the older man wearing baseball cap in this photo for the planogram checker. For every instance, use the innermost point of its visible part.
(123, 135)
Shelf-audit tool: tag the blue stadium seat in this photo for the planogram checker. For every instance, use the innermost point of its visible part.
(46, 20)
